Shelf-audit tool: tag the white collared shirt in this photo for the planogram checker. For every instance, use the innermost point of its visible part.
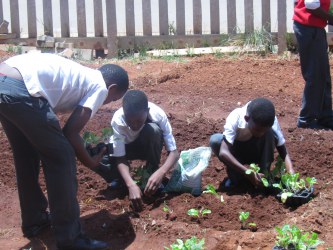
(236, 128)
(124, 135)
(64, 83)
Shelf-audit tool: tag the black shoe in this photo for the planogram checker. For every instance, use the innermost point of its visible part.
(327, 123)
(84, 243)
(311, 125)
(34, 230)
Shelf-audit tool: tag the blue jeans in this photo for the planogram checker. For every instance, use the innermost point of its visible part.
(317, 97)
(35, 136)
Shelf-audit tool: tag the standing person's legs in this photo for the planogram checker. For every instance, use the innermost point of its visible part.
(313, 59)
(36, 121)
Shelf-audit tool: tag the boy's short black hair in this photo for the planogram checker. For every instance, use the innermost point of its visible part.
(262, 112)
(135, 101)
(114, 74)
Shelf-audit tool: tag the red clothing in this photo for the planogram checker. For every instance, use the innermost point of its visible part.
(303, 16)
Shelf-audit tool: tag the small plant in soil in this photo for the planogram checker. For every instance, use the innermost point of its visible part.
(94, 143)
(243, 217)
(254, 169)
(196, 213)
(290, 185)
(166, 208)
(190, 244)
(293, 238)
(210, 189)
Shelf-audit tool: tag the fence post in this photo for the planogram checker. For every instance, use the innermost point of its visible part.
(214, 17)
(164, 20)
(197, 17)
(15, 17)
(180, 17)
(266, 15)
(130, 20)
(146, 16)
(64, 18)
(231, 12)
(249, 17)
(1, 11)
(282, 26)
(32, 25)
(98, 18)
(47, 16)
(111, 20)
(81, 18)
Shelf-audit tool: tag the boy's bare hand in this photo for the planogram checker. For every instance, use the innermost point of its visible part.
(135, 197)
(153, 183)
(255, 179)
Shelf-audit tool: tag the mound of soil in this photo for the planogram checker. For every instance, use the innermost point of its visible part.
(197, 95)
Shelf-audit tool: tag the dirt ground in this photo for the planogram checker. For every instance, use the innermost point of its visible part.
(197, 94)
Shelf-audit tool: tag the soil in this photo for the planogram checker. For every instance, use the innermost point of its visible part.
(197, 94)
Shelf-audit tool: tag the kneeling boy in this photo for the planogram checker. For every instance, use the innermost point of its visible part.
(251, 134)
(140, 128)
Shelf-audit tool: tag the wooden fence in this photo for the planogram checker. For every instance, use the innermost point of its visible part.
(106, 36)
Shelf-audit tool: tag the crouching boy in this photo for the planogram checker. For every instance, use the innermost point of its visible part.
(251, 134)
(140, 130)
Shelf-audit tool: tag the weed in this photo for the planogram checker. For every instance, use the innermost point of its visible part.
(190, 244)
(198, 213)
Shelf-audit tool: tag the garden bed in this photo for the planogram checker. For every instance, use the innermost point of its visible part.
(197, 96)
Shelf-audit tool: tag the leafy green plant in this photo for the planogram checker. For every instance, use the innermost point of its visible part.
(91, 138)
(254, 169)
(290, 184)
(166, 208)
(190, 244)
(243, 216)
(210, 189)
(291, 237)
(198, 213)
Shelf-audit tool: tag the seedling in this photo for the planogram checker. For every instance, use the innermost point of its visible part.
(94, 143)
(290, 184)
(166, 208)
(198, 213)
(190, 244)
(243, 216)
(254, 169)
(291, 237)
(210, 189)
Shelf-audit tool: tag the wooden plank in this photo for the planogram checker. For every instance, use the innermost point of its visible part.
(15, 17)
(146, 17)
(231, 10)
(81, 18)
(32, 20)
(214, 17)
(282, 25)
(64, 18)
(130, 21)
(197, 17)
(180, 17)
(47, 16)
(111, 20)
(164, 19)
(248, 14)
(98, 18)
(266, 14)
(1, 11)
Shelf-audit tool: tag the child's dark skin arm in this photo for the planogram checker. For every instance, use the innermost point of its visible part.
(226, 156)
(320, 12)
(134, 190)
(285, 156)
(71, 130)
(156, 178)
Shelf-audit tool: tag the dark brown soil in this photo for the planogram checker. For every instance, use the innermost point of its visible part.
(197, 95)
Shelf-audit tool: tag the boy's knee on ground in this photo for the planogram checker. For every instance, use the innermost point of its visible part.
(215, 142)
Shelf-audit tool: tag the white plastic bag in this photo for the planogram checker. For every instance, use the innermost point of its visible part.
(186, 178)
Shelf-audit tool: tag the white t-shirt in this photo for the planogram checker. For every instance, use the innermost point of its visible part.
(124, 135)
(65, 84)
(236, 128)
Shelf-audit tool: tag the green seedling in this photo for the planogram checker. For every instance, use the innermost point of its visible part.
(91, 138)
(190, 244)
(290, 184)
(210, 189)
(166, 208)
(106, 134)
(254, 169)
(243, 216)
(291, 237)
(198, 213)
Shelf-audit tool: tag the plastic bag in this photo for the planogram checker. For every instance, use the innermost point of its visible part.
(186, 178)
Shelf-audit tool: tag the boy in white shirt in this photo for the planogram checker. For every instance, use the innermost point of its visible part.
(251, 134)
(140, 130)
(33, 88)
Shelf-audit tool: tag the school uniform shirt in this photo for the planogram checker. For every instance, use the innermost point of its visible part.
(303, 16)
(65, 84)
(236, 128)
(124, 135)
